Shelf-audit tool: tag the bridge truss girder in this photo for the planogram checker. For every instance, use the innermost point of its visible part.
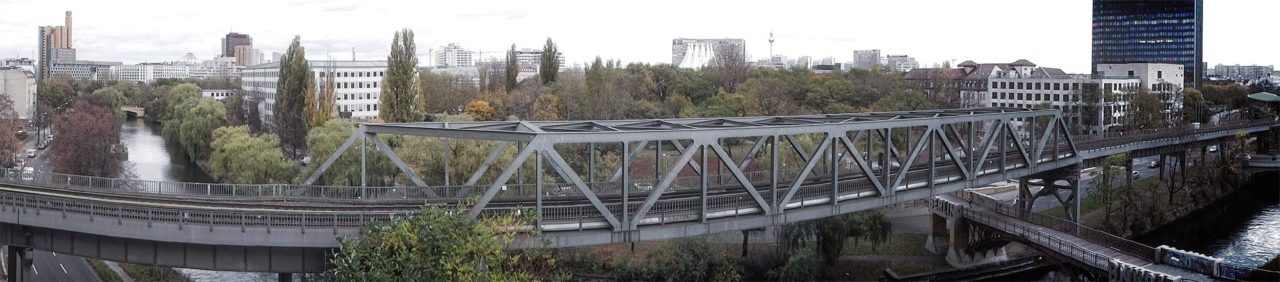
(881, 153)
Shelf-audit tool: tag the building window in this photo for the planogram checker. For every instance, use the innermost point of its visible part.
(1130, 73)
(1057, 86)
(1159, 74)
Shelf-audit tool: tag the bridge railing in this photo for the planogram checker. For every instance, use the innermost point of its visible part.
(1108, 139)
(1061, 246)
(1093, 235)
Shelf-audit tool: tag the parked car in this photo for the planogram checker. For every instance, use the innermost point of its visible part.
(31, 153)
(1195, 125)
(1213, 148)
(1153, 164)
(1136, 174)
(28, 174)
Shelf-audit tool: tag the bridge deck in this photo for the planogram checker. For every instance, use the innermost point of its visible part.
(1076, 247)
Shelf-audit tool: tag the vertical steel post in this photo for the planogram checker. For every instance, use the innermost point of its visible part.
(626, 186)
(448, 154)
(933, 155)
(363, 171)
(835, 170)
(888, 150)
(591, 168)
(774, 169)
(537, 170)
(702, 152)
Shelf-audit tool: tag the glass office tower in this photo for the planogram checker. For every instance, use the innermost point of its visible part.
(1150, 31)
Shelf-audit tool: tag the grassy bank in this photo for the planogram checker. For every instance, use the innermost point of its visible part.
(152, 273)
(104, 272)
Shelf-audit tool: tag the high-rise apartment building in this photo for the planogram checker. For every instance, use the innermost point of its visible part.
(900, 63)
(697, 53)
(453, 55)
(232, 40)
(866, 59)
(55, 45)
(1150, 31)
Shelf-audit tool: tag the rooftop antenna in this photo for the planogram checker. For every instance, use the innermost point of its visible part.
(353, 54)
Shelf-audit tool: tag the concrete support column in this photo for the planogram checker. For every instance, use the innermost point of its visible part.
(937, 241)
(284, 277)
(13, 255)
(959, 234)
(1025, 199)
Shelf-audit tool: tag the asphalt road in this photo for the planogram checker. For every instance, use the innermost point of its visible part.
(48, 266)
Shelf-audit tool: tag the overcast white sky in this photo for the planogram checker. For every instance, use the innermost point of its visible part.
(1052, 33)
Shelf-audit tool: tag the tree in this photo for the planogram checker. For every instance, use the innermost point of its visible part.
(235, 109)
(239, 157)
(512, 70)
(295, 78)
(729, 68)
(324, 140)
(1104, 187)
(1194, 107)
(88, 142)
(436, 245)
(399, 99)
(198, 122)
(1146, 111)
(903, 100)
(546, 107)
(56, 93)
(550, 64)
(175, 105)
(10, 124)
(481, 111)
(320, 105)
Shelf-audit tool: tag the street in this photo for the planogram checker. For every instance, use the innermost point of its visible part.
(48, 266)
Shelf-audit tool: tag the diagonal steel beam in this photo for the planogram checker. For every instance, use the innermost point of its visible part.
(680, 149)
(798, 148)
(1044, 137)
(566, 172)
(506, 175)
(1017, 141)
(986, 144)
(617, 173)
(911, 158)
(955, 156)
(751, 155)
(1062, 125)
(662, 186)
(742, 178)
(355, 135)
(804, 173)
(391, 154)
(862, 164)
(893, 151)
(488, 161)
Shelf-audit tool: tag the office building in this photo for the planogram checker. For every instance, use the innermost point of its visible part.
(24, 63)
(83, 70)
(866, 59)
(232, 40)
(453, 55)
(357, 86)
(900, 63)
(1242, 72)
(698, 53)
(217, 67)
(19, 84)
(1150, 31)
(150, 72)
(1166, 81)
(247, 56)
(217, 94)
(530, 60)
(54, 45)
(1022, 84)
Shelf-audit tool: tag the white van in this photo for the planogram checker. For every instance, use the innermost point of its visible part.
(28, 173)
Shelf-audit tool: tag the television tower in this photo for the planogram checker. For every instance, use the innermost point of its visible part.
(770, 44)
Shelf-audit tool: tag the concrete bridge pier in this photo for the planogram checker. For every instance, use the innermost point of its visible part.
(1052, 183)
(284, 277)
(12, 263)
(936, 243)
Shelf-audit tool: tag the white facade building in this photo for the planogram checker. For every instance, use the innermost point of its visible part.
(530, 60)
(150, 72)
(453, 55)
(217, 67)
(217, 94)
(19, 85)
(900, 63)
(83, 70)
(698, 53)
(866, 59)
(357, 85)
(1163, 80)
(24, 63)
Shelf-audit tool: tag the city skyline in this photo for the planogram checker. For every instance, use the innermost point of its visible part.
(110, 31)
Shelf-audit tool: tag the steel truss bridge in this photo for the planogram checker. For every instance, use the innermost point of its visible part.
(586, 182)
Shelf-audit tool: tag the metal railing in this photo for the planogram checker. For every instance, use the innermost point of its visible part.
(1084, 232)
